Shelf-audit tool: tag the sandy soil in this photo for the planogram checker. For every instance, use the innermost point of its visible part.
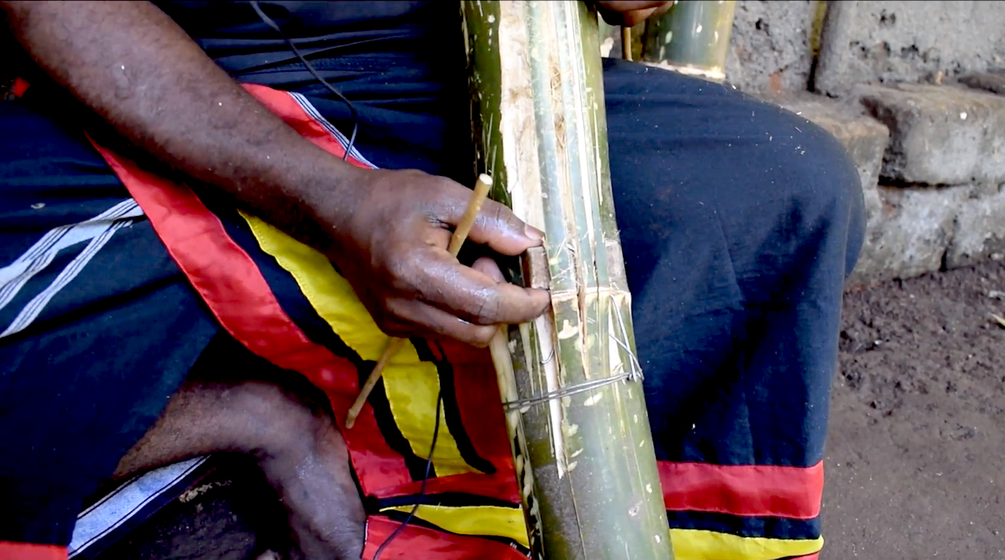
(915, 461)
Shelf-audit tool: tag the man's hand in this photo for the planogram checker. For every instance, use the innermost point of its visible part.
(390, 242)
(386, 230)
(631, 13)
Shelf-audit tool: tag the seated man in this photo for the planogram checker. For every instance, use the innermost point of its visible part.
(184, 224)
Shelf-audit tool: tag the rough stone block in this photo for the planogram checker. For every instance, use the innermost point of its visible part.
(990, 81)
(771, 48)
(979, 231)
(865, 138)
(939, 135)
(907, 41)
(909, 234)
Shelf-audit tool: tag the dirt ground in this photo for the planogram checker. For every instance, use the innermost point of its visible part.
(915, 459)
(916, 453)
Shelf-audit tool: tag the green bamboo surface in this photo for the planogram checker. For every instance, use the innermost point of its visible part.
(585, 460)
(692, 37)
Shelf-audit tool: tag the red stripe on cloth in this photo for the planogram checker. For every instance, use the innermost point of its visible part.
(477, 396)
(751, 491)
(235, 291)
(29, 551)
(284, 105)
(814, 556)
(421, 542)
(20, 86)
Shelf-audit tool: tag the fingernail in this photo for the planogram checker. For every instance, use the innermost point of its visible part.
(533, 233)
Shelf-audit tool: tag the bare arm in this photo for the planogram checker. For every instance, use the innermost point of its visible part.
(140, 72)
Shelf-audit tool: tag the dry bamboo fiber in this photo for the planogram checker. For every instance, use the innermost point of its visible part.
(576, 413)
(691, 38)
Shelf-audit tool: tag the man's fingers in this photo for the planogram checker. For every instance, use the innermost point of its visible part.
(631, 13)
(489, 267)
(413, 315)
(630, 5)
(495, 226)
(475, 296)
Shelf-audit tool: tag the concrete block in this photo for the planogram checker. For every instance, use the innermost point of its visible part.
(979, 232)
(770, 48)
(907, 41)
(989, 81)
(864, 137)
(939, 135)
(909, 234)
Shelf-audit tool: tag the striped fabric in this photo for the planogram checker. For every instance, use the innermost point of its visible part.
(293, 308)
(25, 273)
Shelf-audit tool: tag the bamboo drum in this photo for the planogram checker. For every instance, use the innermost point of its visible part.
(570, 381)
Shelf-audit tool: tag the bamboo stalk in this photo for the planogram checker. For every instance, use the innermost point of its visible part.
(457, 238)
(692, 37)
(626, 43)
(577, 419)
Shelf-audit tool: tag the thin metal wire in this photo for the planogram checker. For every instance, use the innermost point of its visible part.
(422, 487)
(566, 391)
(634, 373)
(310, 68)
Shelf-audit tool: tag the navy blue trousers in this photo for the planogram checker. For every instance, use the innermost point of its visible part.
(739, 223)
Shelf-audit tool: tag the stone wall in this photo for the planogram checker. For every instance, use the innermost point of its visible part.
(773, 44)
(908, 41)
(916, 92)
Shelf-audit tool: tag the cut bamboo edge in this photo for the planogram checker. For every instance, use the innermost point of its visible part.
(464, 225)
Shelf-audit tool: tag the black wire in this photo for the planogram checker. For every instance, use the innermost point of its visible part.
(310, 68)
(422, 487)
(352, 140)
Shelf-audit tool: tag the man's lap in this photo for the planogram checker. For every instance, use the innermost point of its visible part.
(739, 222)
(730, 224)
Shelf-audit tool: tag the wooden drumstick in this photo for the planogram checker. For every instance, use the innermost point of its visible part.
(626, 43)
(394, 344)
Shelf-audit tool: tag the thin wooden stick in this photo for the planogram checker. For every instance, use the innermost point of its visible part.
(481, 191)
(626, 43)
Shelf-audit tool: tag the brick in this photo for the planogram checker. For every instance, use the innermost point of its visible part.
(989, 81)
(939, 135)
(770, 48)
(979, 232)
(907, 41)
(909, 234)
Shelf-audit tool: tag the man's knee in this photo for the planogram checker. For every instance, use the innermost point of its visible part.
(268, 418)
(825, 207)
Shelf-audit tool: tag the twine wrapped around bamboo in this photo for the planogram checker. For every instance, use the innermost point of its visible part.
(692, 37)
(570, 381)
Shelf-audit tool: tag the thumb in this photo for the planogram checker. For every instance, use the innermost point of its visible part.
(498, 227)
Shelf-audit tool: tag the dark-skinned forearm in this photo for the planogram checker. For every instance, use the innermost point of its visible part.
(141, 73)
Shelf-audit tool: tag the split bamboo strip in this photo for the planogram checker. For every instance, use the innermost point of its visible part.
(575, 408)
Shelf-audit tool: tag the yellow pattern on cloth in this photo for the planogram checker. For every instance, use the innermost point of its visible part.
(493, 521)
(411, 385)
(693, 544)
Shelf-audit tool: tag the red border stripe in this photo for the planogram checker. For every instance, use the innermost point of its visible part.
(249, 311)
(29, 551)
(749, 491)
(422, 542)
